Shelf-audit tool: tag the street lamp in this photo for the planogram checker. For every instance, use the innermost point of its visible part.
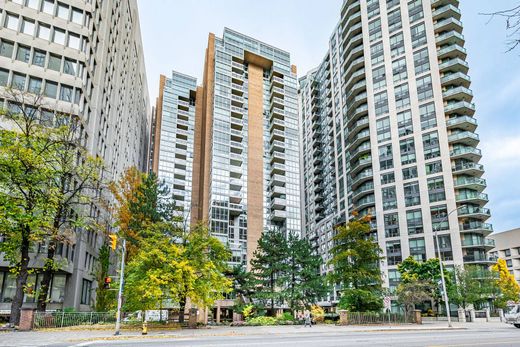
(446, 302)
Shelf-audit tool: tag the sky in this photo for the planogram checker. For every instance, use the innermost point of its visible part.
(175, 35)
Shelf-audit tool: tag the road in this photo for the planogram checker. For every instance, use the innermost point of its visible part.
(435, 336)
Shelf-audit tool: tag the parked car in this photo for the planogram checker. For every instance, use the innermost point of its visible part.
(512, 316)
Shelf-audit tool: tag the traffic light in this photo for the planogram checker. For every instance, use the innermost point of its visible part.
(113, 241)
(106, 284)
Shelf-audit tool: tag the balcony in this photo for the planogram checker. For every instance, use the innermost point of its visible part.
(357, 127)
(365, 202)
(438, 3)
(278, 215)
(466, 138)
(362, 149)
(356, 89)
(277, 102)
(237, 76)
(358, 100)
(360, 137)
(479, 242)
(238, 66)
(362, 177)
(361, 164)
(458, 93)
(475, 183)
(277, 157)
(452, 52)
(479, 259)
(456, 79)
(448, 24)
(450, 37)
(278, 180)
(237, 112)
(277, 91)
(277, 168)
(358, 113)
(355, 53)
(469, 153)
(460, 107)
(277, 134)
(278, 191)
(471, 211)
(278, 204)
(454, 65)
(473, 197)
(237, 100)
(471, 169)
(363, 190)
(355, 77)
(446, 11)
(277, 124)
(237, 88)
(476, 227)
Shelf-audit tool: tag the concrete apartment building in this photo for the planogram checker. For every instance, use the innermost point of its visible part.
(388, 130)
(85, 58)
(507, 247)
(234, 140)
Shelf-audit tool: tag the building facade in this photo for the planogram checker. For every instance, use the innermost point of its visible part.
(507, 247)
(395, 112)
(243, 145)
(84, 58)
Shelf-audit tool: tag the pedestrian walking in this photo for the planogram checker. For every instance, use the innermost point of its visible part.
(307, 319)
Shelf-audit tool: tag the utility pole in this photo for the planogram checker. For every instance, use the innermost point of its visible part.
(120, 294)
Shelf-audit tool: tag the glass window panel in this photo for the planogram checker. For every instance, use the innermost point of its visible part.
(63, 11)
(18, 81)
(48, 6)
(77, 16)
(23, 54)
(6, 49)
(9, 287)
(11, 22)
(70, 67)
(54, 62)
(35, 85)
(59, 36)
(4, 77)
(44, 31)
(51, 89)
(58, 288)
(28, 27)
(74, 41)
(33, 3)
(66, 93)
(38, 58)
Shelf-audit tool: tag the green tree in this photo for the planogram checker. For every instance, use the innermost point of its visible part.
(242, 284)
(413, 292)
(356, 258)
(474, 285)
(105, 298)
(509, 288)
(304, 284)
(25, 200)
(269, 267)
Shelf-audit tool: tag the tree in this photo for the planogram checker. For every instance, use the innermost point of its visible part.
(304, 284)
(269, 266)
(413, 292)
(356, 257)
(242, 284)
(512, 18)
(105, 298)
(509, 288)
(473, 285)
(25, 201)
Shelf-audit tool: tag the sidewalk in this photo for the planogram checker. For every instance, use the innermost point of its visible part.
(43, 338)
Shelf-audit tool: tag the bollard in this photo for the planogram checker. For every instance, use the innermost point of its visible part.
(145, 328)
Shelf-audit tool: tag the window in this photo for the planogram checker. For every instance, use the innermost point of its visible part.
(58, 288)
(393, 252)
(445, 247)
(74, 41)
(421, 61)
(386, 160)
(424, 88)
(389, 198)
(433, 167)
(32, 3)
(428, 117)
(381, 103)
(394, 20)
(18, 81)
(394, 278)
(4, 77)
(414, 222)
(374, 29)
(412, 195)
(387, 178)
(397, 45)
(436, 189)
(409, 172)
(59, 36)
(48, 7)
(11, 21)
(399, 70)
(407, 147)
(418, 35)
(38, 58)
(23, 54)
(66, 93)
(63, 11)
(51, 89)
(439, 220)
(404, 123)
(28, 27)
(54, 62)
(47, 118)
(507, 252)
(431, 145)
(418, 249)
(377, 53)
(35, 85)
(383, 129)
(86, 290)
(8, 286)
(70, 67)
(44, 31)
(415, 10)
(372, 8)
(6, 49)
(402, 96)
(379, 77)
(391, 225)
(391, 3)
(77, 16)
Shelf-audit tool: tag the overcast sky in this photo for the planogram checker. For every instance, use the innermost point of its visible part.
(175, 37)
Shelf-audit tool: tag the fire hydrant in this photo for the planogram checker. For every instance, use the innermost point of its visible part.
(145, 328)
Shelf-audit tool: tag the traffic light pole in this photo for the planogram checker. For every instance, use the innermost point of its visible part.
(120, 294)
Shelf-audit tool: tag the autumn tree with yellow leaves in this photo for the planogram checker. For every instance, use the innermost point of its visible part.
(509, 288)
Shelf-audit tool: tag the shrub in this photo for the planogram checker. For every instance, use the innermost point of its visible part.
(318, 314)
(286, 316)
(247, 311)
(262, 321)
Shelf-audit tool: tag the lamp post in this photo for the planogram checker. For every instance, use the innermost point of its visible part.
(120, 293)
(446, 302)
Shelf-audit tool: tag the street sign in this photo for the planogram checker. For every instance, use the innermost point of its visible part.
(387, 302)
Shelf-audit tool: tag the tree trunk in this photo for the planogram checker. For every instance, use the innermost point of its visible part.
(47, 276)
(182, 307)
(272, 295)
(21, 278)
